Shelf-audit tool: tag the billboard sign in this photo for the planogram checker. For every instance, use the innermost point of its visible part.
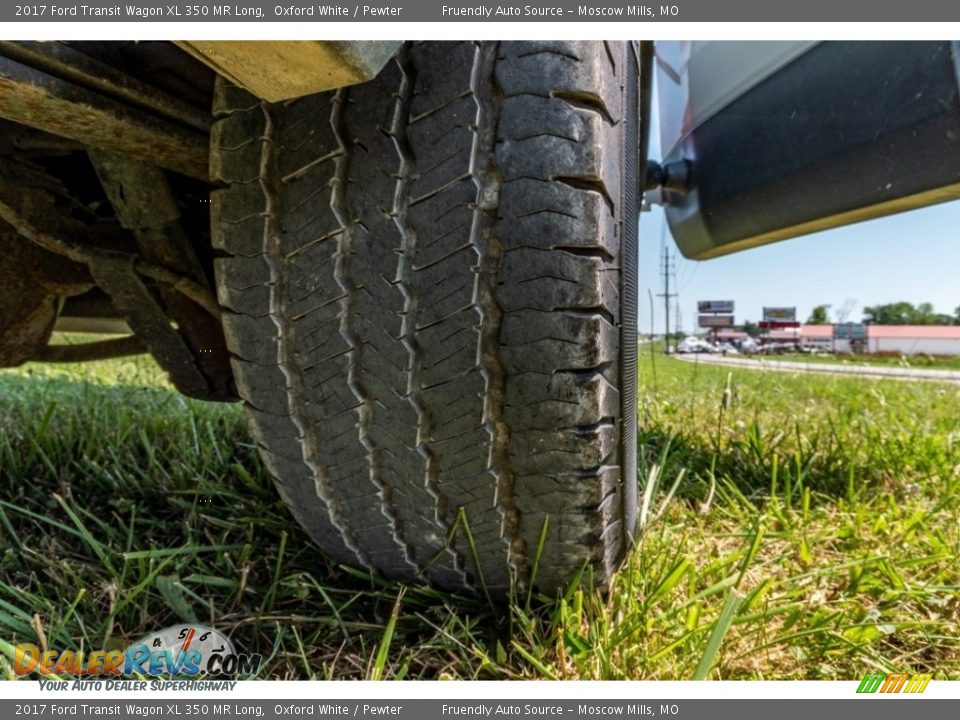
(716, 321)
(715, 306)
(780, 314)
(777, 324)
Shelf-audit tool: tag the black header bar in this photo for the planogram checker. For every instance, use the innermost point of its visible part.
(562, 11)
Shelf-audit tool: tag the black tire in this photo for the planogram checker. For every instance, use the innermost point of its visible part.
(430, 281)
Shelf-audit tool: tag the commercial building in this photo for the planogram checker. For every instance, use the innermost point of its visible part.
(896, 339)
(818, 336)
(914, 339)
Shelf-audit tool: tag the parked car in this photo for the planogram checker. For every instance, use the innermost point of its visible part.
(691, 344)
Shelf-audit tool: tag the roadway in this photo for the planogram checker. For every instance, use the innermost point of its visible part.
(857, 369)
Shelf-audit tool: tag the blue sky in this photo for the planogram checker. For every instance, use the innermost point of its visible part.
(912, 256)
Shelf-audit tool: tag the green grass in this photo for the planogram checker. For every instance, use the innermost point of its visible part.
(794, 527)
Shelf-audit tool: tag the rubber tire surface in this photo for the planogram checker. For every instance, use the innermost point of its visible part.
(430, 294)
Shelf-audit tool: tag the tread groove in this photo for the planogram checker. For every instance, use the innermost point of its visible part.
(585, 100)
(586, 183)
(408, 331)
(295, 383)
(482, 235)
(354, 370)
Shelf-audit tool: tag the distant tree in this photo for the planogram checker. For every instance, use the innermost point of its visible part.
(927, 316)
(845, 310)
(904, 313)
(752, 329)
(819, 315)
(924, 314)
(956, 315)
(898, 313)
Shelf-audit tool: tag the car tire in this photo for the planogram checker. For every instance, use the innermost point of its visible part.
(430, 294)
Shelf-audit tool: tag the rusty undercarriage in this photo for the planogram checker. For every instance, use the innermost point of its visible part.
(104, 192)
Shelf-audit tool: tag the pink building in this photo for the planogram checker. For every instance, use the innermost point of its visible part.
(902, 339)
(817, 335)
(914, 339)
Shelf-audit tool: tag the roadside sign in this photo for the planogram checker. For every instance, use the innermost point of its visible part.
(850, 331)
(777, 324)
(716, 321)
(780, 314)
(715, 306)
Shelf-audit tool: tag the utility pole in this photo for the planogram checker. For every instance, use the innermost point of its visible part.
(666, 294)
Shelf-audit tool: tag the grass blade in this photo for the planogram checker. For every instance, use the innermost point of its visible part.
(720, 628)
(383, 651)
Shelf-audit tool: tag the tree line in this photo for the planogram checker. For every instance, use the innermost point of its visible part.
(898, 313)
